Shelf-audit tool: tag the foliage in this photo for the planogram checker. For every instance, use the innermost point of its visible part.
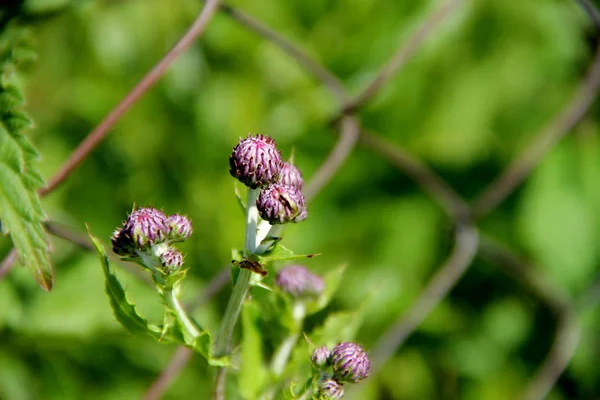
(468, 101)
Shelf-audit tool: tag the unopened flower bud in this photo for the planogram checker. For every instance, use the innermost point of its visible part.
(299, 281)
(291, 176)
(147, 227)
(350, 362)
(320, 357)
(171, 259)
(180, 227)
(255, 161)
(279, 204)
(122, 244)
(330, 389)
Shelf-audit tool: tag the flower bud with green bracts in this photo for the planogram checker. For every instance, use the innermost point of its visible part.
(291, 176)
(330, 389)
(171, 260)
(180, 228)
(350, 362)
(146, 226)
(255, 161)
(320, 357)
(278, 204)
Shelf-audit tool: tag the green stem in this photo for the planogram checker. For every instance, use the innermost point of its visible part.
(223, 342)
(171, 300)
(284, 350)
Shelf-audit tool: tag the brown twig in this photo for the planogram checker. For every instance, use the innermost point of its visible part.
(591, 11)
(180, 359)
(9, 260)
(542, 143)
(465, 248)
(404, 53)
(327, 78)
(100, 131)
(343, 147)
(439, 190)
(567, 324)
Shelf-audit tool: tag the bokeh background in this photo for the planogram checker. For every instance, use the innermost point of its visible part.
(473, 96)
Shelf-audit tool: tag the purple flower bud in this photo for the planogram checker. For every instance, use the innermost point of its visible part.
(299, 281)
(180, 227)
(330, 389)
(320, 357)
(255, 161)
(122, 244)
(350, 362)
(279, 204)
(171, 259)
(291, 176)
(147, 227)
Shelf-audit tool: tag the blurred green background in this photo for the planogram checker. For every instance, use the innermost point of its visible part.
(469, 100)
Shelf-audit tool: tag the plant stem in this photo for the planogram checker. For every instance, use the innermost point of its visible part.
(171, 300)
(223, 343)
(284, 350)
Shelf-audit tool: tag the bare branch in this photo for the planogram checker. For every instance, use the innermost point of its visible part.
(180, 359)
(327, 78)
(557, 301)
(465, 248)
(404, 53)
(339, 154)
(439, 190)
(591, 10)
(100, 131)
(543, 142)
(9, 260)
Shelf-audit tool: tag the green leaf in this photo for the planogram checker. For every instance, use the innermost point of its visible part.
(124, 311)
(20, 207)
(339, 327)
(281, 253)
(253, 371)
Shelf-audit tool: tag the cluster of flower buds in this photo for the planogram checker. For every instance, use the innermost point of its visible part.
(149, 231)
(349, 364)
(298, 281)
(257, 163)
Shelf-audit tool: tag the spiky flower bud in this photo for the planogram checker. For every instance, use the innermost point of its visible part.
(122, 244)
(291, 176)
(255, 161)
(180, 227)
(320, 357)
(350, 362)
(299, 281)
(146, 226)
(171, 259)
(330, 389)
(279, 204)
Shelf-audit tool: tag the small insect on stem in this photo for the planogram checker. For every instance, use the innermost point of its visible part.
(253, 266)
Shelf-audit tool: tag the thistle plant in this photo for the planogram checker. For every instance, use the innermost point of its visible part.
(283, 296)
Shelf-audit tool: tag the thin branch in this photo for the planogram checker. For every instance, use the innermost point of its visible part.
(337, 157)
(66, 233)
(558, 127)
(465, 248)
(439, 190)
(404, 53)
(591, 11)
(327, 78)
(100, 131)
(161, 384)
(220, 383)
(567, 324)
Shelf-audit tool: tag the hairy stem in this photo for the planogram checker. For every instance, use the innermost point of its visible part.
(171, 301)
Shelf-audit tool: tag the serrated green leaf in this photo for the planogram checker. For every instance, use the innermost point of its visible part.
(253, 371)
(20, 207)
(125, 312)
(281, 253)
